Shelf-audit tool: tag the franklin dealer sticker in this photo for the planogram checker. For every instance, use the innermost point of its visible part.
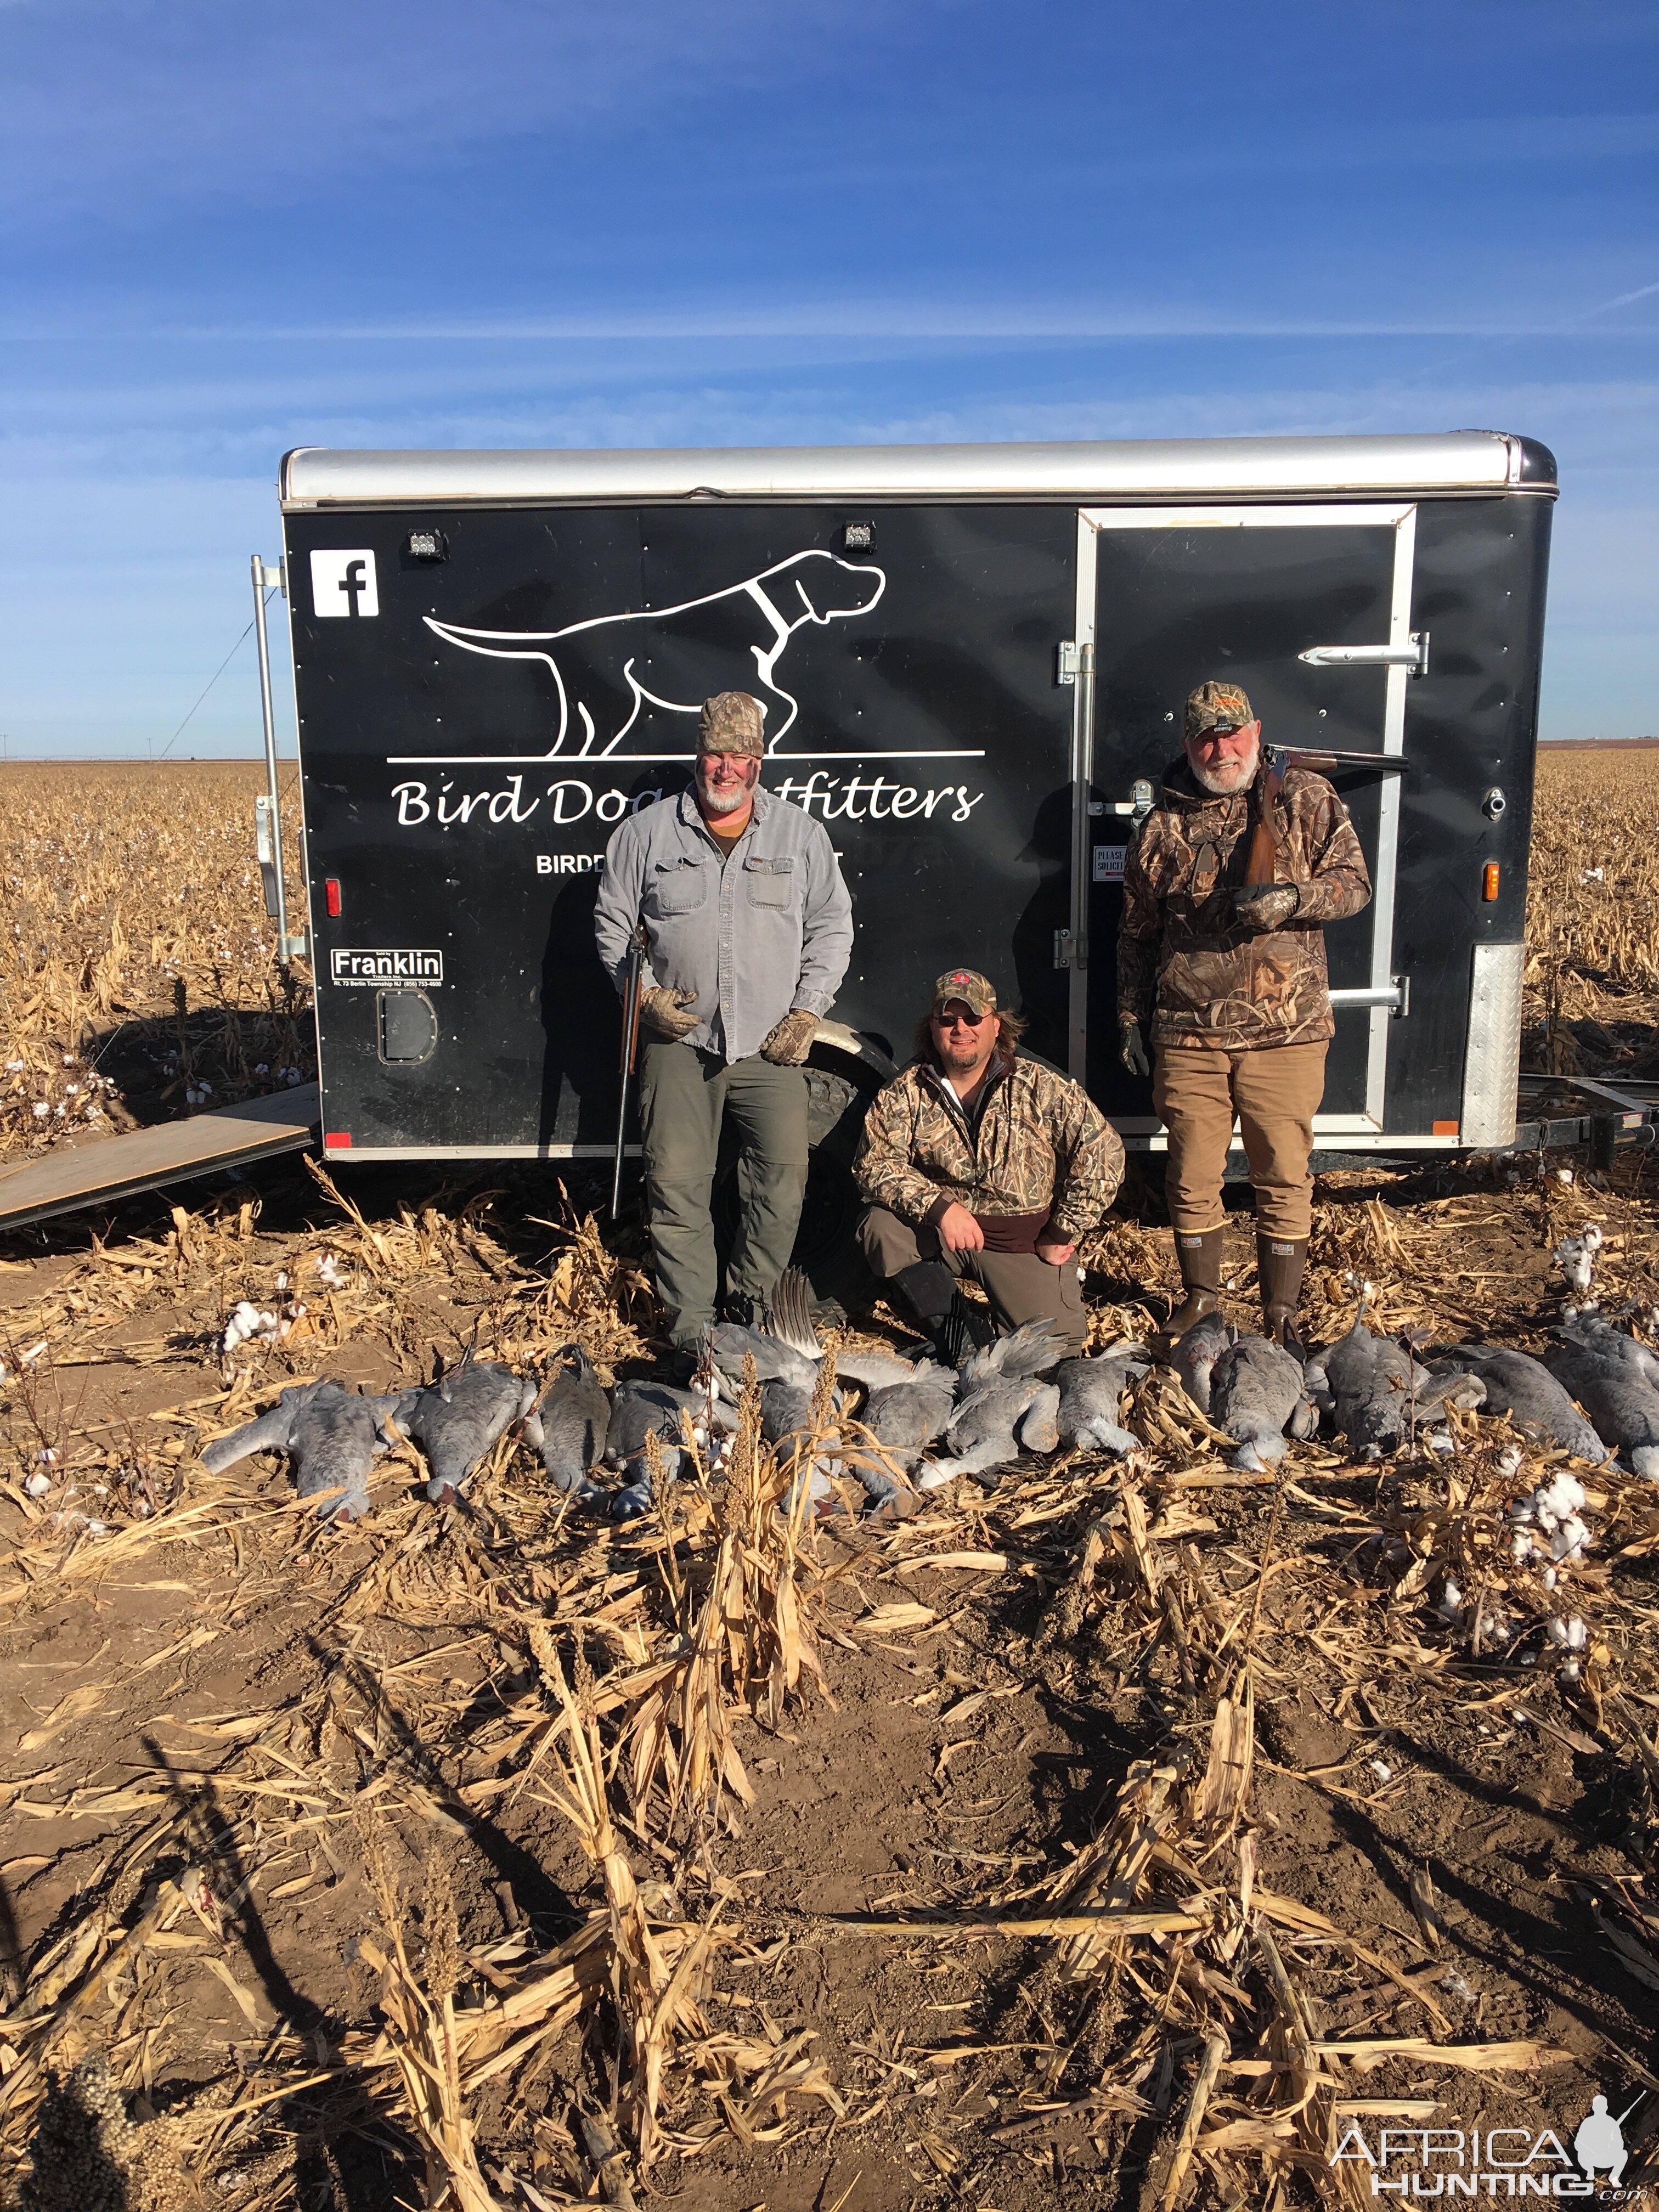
(347, 966)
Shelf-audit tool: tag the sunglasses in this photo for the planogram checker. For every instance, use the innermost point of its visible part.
(962, 1021)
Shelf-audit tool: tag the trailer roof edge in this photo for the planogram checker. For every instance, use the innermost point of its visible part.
(1243, 468)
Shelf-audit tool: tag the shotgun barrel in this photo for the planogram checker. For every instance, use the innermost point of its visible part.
(632, 994)
(1270, 782)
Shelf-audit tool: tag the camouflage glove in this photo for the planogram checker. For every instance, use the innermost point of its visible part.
(1265, 906)
(660, 1011)
(1130, 1049)
(788, 1044)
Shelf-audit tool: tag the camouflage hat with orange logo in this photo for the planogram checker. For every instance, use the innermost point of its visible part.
(968, 984)
(1215, 706)
(732, 722)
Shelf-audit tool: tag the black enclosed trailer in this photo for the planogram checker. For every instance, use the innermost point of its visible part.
(973, 661)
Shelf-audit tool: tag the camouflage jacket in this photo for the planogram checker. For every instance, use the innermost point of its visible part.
(1180, 962)
(1041, 1147)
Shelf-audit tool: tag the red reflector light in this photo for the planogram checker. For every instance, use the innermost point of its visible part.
(1445, 1129)
(1489, 880)
(336, 1140)
(331, 894)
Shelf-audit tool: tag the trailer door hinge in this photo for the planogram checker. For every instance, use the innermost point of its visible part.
(1068, 660)
(1062, 948)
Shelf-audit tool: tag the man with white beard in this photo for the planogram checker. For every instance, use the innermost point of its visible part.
(748, 931)
(1232, 978)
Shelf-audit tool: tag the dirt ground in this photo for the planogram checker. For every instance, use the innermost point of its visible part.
(245, 1753)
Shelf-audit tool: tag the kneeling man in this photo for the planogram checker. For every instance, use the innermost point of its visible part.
(974, 1162)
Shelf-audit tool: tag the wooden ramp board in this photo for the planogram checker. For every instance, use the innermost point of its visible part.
(148, 1159)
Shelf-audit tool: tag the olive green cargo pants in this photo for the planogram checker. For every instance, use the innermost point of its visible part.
(1021, 1286)
(684, 1096)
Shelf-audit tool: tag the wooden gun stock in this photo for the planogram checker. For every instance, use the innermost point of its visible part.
(1264, 841)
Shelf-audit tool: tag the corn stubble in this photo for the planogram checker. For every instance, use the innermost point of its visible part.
(467, 1664)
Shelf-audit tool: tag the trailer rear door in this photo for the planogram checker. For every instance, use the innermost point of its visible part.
(1169, 596)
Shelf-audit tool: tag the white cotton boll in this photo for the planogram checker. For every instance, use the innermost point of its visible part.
(1380, 1769)
(1576, 1258)
(1509, 1459)
(1557, 1632)
(1520, 1547)
(1563, 1174)
(331, 1273)
(1578, 1634)
(41, 1109)
(1458, 1988)
(1592, 876)
(1569, 1670)
(14, 1068)
(1440, 1443)
(1451, 1601)
(282, 1280)
(261, 1067)
(1549, 1579)
(37, 1485)
(1569, 1540)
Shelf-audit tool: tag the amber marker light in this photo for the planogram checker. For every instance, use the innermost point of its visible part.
(1489, 880)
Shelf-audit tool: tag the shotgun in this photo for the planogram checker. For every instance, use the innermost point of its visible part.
(1270, 782)
(630, 1054)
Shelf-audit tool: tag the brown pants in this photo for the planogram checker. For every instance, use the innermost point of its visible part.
(1274, 1091)
(1020, 1287)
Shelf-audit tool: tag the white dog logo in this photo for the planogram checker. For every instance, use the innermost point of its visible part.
(809, 587)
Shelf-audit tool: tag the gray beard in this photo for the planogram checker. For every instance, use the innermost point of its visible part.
(726, 802)
(1218, 788)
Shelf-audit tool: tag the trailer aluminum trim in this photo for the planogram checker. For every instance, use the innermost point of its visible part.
(1382, 994)
(1469, 461)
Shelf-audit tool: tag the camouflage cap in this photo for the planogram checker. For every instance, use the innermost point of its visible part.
(968, 984)
(1216, 706)
(732, 722)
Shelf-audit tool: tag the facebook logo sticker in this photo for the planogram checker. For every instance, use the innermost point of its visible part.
(343, 583)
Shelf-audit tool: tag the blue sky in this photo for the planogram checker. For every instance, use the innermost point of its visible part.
(226, 232)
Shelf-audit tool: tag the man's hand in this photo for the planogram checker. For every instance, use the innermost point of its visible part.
(1130, 1050)
(1053, 1255)
(787, 1044)
(660, 1011)
(958, 1230)
(1260, 907)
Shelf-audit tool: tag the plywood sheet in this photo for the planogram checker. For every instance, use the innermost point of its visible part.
(148, 1159)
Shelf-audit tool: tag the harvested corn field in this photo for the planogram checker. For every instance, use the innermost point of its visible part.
(1136, 1831)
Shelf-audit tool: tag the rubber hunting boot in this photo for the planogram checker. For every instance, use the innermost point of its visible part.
(1279, 1262)
(1198, 1258)
(929, 1290)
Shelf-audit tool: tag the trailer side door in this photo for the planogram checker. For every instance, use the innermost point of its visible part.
(1278, 599)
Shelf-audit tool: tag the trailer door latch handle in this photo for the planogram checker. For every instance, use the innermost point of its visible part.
(1412, 657)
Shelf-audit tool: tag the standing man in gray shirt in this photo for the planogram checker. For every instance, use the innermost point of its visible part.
(748, 931)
